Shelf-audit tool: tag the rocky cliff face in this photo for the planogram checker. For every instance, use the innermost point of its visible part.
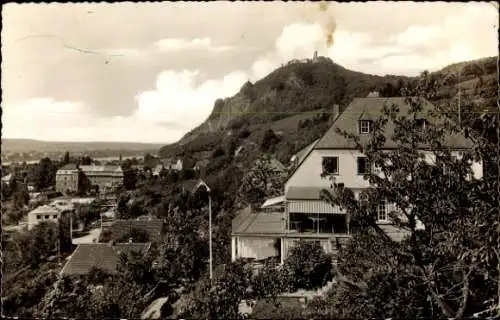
(296, 87)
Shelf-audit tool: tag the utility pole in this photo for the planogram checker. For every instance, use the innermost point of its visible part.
(210, 229)
(459, 107)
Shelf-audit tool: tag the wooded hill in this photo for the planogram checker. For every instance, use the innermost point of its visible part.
(296, 101)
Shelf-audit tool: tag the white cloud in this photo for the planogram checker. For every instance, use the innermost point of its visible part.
(298, 41)
(416, 35)
(52, 120)
(180, 44)
(177, 98)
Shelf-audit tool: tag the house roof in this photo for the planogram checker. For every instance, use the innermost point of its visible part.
(99, 255)
(370, 109)
(303, 193)
(103, 168)
(273, 201)
(69, 166)
(301, 155)
(258, 223)
(45, 209)
(152, 227)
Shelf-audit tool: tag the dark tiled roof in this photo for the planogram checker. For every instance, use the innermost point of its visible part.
(371, 109)
(301, 155)
(69, 166)
(258, 223)
(153, 228)
(303, 193)
(99, 255)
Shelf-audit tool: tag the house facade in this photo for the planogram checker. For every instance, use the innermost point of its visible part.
(106, 177)
(306, 216)
(173, 164)
(43, 214)
(67, 179)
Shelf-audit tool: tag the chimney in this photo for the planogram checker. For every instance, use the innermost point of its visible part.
(335, 111)
(315, 55)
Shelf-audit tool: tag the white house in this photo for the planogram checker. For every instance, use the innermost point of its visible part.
(172, 164)
(157, 169)
(43, 213)
(6, 179)
(305, 215)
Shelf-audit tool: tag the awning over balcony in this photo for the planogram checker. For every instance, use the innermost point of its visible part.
(307, 200)
(313, 206)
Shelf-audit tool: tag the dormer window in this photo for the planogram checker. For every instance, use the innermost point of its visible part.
(365, 126)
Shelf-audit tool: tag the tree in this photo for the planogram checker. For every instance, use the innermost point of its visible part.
(84, 184)
(261, 181)
(46, 175)
(129, 177)
(149, 159)
(220, 298)
(21, 198)
(136, 235)
(218, 152)
(85, 161)
(35, 245)
(269, 140)
(270, 281)
(122, 206)
(20, 297)
(448, 269)
(308, 265)
(66, 158)
(163, 172)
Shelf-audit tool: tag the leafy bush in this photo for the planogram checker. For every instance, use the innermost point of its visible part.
(136, 235)
(219, 152)
(269, 140)
(308, 265)
(220, 298)
(270, 281)
(244, 133)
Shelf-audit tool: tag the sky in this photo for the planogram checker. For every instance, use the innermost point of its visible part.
(151, 72)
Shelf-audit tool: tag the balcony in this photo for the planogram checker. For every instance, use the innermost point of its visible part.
(317, 225)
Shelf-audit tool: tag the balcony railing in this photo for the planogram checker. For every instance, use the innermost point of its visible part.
(317, 224)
